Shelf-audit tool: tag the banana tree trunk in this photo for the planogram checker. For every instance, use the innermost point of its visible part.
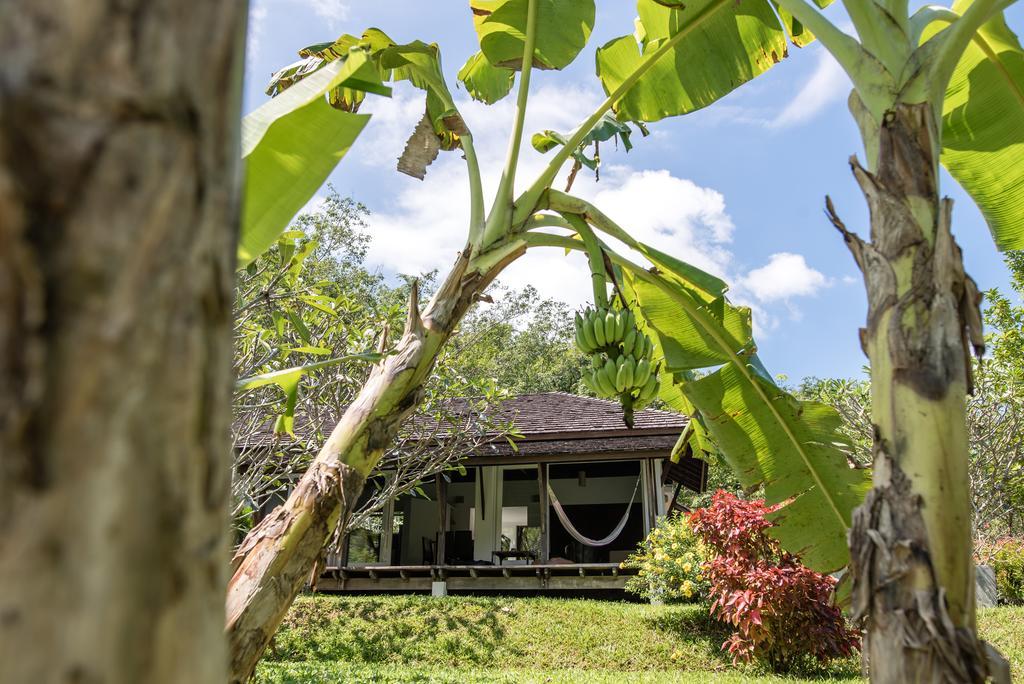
(286, 549)
(118, 216)
(911, 544)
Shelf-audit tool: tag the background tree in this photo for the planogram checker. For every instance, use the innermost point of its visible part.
(310, 305)
(118, 217)
(522, 342)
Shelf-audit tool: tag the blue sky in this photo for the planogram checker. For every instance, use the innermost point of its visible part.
(736, 188)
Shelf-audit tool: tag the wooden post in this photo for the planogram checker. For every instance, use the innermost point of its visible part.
(648, 498)
(545, 510)
(441, 485)
(386, 532)
(344, 551)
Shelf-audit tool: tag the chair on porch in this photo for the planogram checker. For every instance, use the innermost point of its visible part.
(459, 547)
(429, 550)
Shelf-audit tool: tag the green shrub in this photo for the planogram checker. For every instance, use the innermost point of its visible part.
(669, 563)
(1006, 556)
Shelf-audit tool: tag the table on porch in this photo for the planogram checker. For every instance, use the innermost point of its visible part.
(523, 554)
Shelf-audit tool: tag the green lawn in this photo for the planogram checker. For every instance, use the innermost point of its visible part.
(389, 639)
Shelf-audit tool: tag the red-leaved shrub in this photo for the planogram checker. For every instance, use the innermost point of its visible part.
(782, 612)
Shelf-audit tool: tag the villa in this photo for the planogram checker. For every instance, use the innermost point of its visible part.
(557, 511)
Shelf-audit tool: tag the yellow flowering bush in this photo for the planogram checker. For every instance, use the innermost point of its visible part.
(668, 563)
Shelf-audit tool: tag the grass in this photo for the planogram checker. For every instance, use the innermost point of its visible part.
(390, 639)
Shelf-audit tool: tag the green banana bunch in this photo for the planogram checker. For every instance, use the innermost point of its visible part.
(597, 329)
(647, 392)
(621, 356)
(622, 375)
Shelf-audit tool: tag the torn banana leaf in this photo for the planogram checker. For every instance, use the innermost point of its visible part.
(793, 449)
(484, 81)
(291, 144)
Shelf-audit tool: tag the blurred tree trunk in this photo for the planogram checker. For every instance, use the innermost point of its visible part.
(118, 213)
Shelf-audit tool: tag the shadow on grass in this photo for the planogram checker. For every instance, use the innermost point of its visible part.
(694, 630)
(699, 634)
(392, 630)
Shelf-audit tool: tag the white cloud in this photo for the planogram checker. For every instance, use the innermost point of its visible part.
(423, 224)
(334, 11)
(394, 119)
(316, 203)
(826, 85)
(786, 275)
(255, 30)
(674, 214)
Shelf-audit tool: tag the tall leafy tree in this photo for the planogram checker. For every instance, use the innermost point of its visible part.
(118, 226)
(521, 342)
(1005, 321)
(310, 320)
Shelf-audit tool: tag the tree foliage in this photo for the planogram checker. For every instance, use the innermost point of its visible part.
(308, 299)
(522, 342)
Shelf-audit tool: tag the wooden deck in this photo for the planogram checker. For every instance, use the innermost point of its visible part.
(470, 578)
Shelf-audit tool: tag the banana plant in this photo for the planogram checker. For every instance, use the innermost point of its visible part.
(683, 56)
(942, 85)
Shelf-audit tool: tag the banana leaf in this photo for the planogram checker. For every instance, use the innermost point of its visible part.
(288, 380)
(563, 28)
(983, 128)
(793, 449)
(484, 81)
(726, 44)
(291, 144)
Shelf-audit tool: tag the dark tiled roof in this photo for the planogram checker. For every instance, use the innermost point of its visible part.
(548, 423)
(551, 414)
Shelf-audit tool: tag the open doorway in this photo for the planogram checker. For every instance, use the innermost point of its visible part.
(594, 498)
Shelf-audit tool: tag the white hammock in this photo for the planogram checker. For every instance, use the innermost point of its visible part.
(587, 541)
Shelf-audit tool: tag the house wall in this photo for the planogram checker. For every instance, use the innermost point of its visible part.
(421, 515)
(487, 518)
(422, 518)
